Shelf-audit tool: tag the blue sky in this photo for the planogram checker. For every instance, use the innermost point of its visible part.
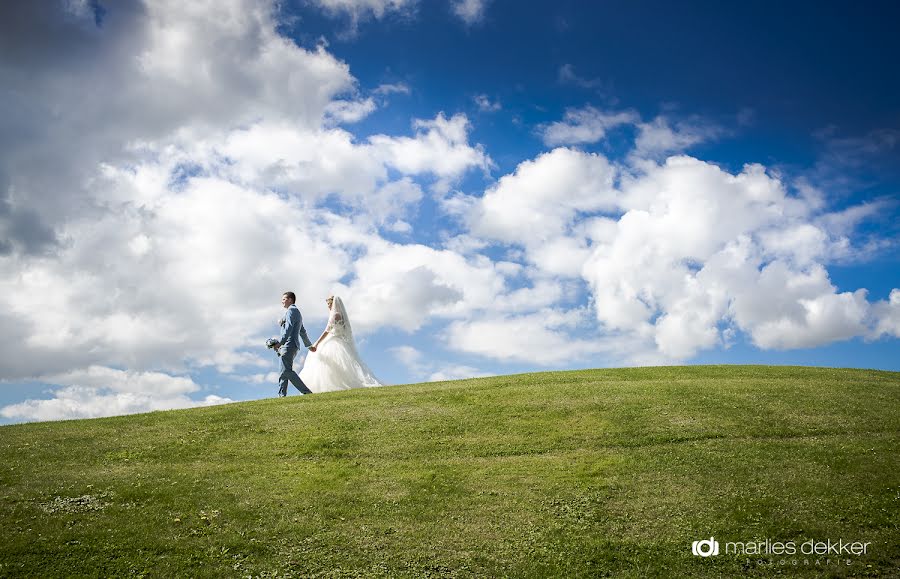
(492, 188)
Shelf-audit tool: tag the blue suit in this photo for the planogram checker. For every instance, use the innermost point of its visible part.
(291, 334)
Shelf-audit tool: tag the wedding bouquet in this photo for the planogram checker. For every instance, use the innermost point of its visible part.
(272, 343)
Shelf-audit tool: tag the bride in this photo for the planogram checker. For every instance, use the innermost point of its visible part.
(333, 362)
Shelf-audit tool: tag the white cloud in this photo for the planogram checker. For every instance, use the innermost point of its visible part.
(456, 372)
(655, 139)
(485, 105)
(161, 241)
(312, 164)
(470, 11)
(678, 256)
(360, 10)
(269, 378)
(804, 242)
(99, 391)
(585, 125)
(539, 338)
(845, 221)
(100, 377)
(537, 205)
(661, 136)
(174, 62)
(221, 249)
(74, 402)
(698, 247)
(887, 313)
(392, 88)
(349, 111)
(561, 256)
(400, 226)
(803, 312)
(440, 148)
(543, 293)
(190, 57)
(319, 163)
(405, 286)
(407, 355)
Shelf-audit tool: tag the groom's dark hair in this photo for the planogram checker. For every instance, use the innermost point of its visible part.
(291, 295)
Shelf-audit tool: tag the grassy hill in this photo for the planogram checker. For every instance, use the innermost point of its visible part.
(588, 473)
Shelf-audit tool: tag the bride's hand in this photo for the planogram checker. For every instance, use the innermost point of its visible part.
(312, 348)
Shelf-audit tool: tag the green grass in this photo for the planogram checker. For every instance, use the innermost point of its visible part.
(588, 473)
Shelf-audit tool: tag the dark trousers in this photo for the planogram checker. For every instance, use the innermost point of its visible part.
(288, 374)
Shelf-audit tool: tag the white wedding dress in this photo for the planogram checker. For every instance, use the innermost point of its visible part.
(336, 365)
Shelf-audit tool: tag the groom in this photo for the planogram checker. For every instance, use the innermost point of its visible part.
(289, 345)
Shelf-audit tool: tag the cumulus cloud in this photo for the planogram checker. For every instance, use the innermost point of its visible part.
(661, 136)
(108, 306)
(655, 139)
(536, 206)
(887, 314)
(542, 337)
(440, 147)
(323, 163)
(100, 391)
(698, 248)
(349, 111)
(470, 11)
(189, 70)
(169, 229)
(678, 256)
(405, 286)
(160, 242)
(585, 125)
